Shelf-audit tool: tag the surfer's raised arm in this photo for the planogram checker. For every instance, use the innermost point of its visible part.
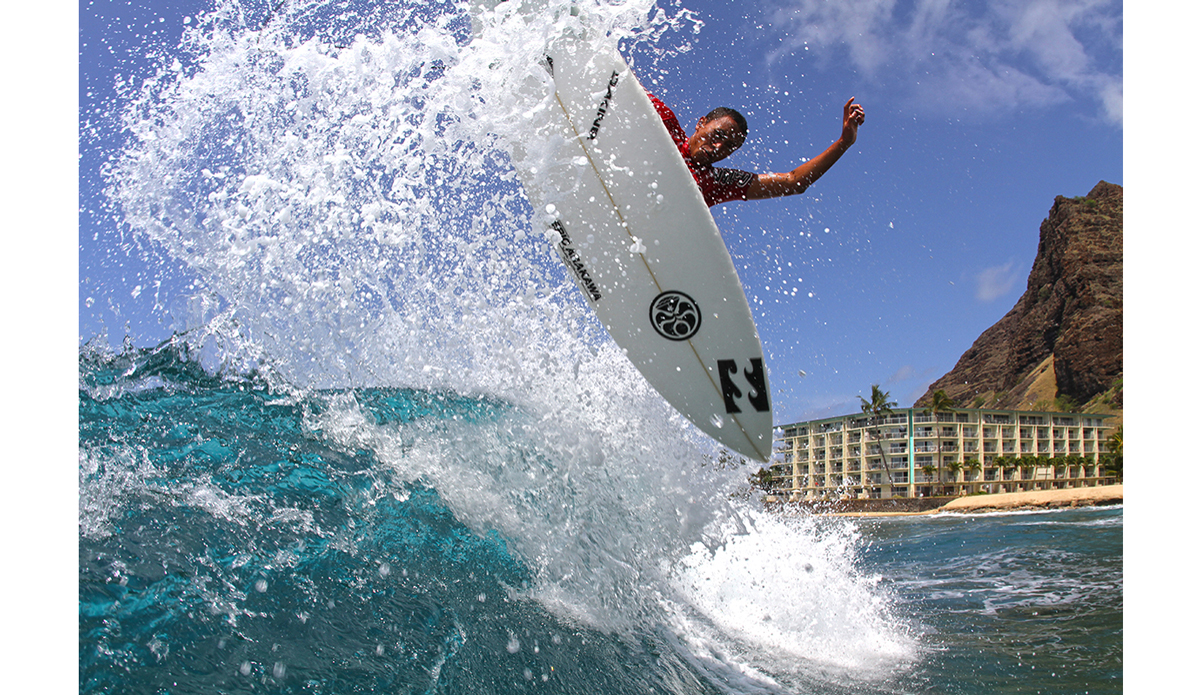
(799, 179)
(723, 130)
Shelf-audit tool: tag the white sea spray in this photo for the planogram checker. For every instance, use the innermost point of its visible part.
(344, 196)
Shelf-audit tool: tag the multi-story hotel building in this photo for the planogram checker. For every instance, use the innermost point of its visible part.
(915, 453)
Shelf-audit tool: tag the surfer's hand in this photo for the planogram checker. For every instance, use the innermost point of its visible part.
(852, 117)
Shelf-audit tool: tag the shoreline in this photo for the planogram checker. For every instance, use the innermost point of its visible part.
(1016, 501)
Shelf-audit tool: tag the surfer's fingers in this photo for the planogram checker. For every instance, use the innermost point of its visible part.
(852, 110)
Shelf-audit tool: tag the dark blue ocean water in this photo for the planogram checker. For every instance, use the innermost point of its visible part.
(231, 543)
(1024, 602)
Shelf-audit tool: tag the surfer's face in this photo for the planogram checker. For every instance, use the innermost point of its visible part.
(715, 139)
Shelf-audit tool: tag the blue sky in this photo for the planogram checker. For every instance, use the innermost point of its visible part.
(885, 271)
(922, 236)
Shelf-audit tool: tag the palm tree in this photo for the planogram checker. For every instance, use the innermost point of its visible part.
(1072, 462)
(975, 467)
(928, 470)
(879, 406)
(939, 403)
(1116, 441)
(954, 467)
(1113, 459)
(1031, 463)
(1000, 462)
(764, 479)
(1007, 466)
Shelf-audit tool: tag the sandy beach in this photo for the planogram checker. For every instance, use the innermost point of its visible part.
(1010, 501)
(1073, 497)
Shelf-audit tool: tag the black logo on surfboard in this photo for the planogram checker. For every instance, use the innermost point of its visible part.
(574, 261)
(755, 377)
(612, 82)
(675, 315)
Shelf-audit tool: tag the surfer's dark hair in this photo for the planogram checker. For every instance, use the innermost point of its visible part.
(722, 111)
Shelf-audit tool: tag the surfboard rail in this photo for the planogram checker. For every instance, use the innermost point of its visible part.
(634, 232)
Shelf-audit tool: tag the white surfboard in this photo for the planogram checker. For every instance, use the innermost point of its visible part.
(635, 234)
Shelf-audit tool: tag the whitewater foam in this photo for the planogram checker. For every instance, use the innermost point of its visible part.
(340, 188)
(786, 596)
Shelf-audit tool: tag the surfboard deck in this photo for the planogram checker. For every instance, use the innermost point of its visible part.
(632, 228)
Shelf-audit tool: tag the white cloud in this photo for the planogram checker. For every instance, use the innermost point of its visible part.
(995, 282)
(981, 57)
(903, 374)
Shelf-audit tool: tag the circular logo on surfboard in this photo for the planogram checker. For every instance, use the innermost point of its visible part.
(675, 315)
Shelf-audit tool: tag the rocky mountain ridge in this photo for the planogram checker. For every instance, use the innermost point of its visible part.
(1062, 343)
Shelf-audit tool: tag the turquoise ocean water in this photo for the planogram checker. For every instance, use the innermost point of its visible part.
(388, 449)
(231, 540)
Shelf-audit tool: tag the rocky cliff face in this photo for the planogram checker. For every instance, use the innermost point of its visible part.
(1064, 336)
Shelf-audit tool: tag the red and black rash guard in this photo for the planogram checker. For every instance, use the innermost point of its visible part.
(717, 185)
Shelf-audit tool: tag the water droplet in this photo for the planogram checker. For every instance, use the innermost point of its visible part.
(514, 644)
(244, 669)
(279, 670)
(260, 586)
(717, 420)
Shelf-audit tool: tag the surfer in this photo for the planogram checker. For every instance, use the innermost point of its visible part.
(723, 130)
